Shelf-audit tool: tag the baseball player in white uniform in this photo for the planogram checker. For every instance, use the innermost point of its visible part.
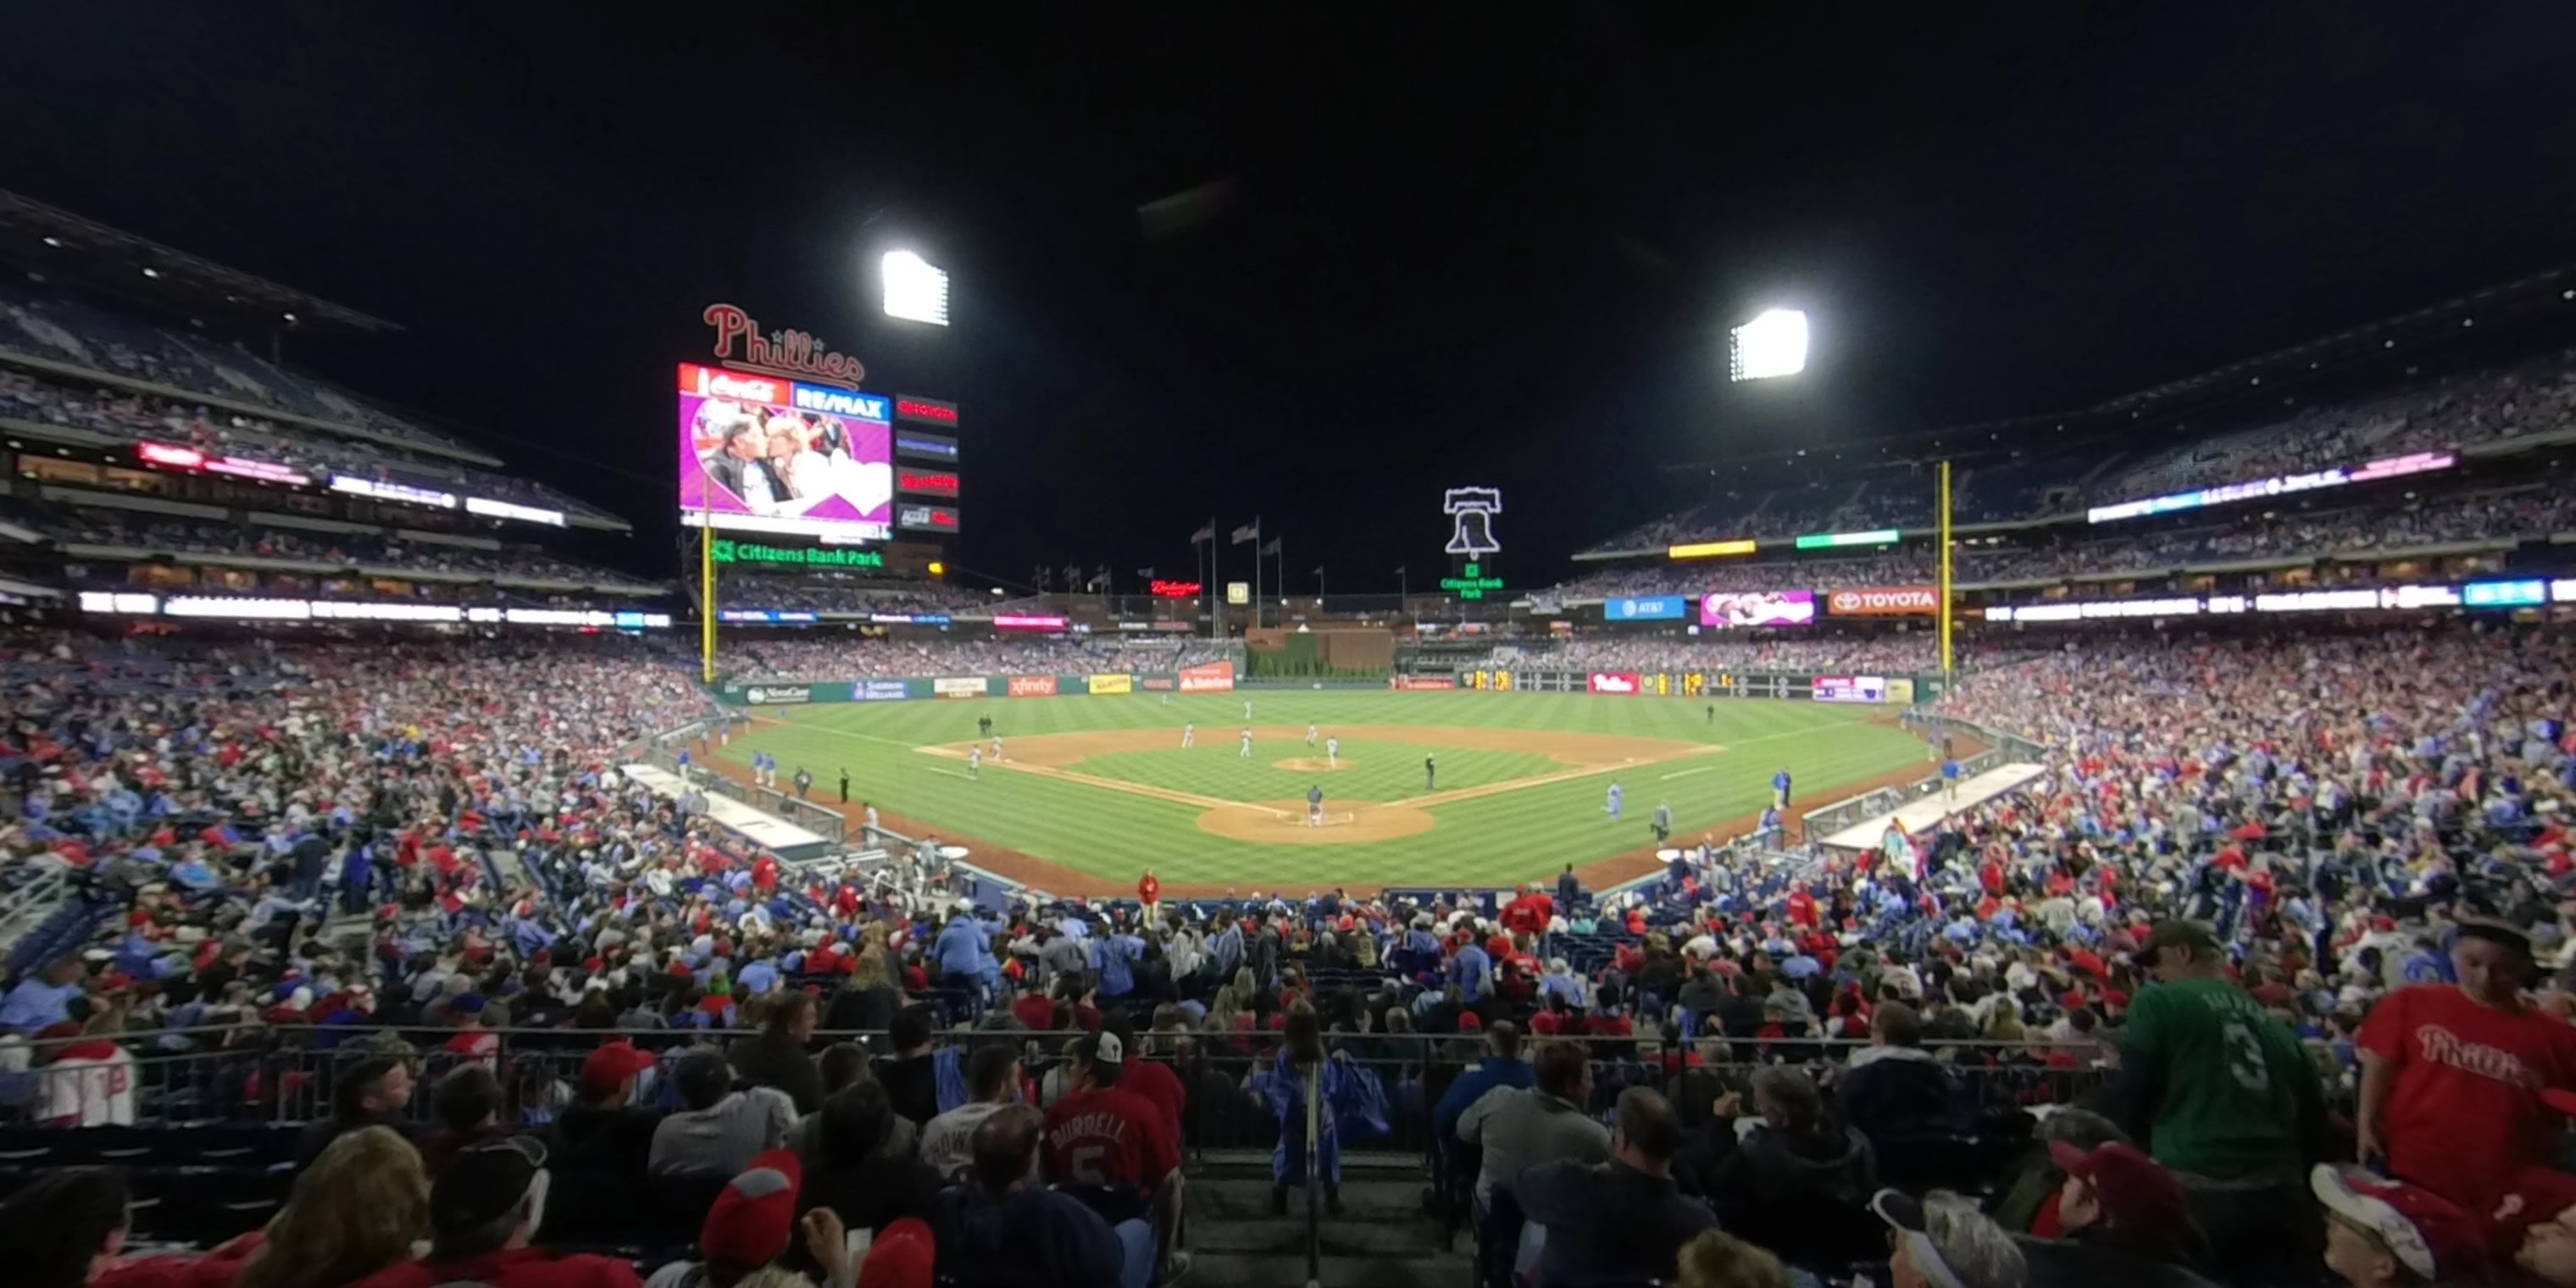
(1247, 710)
(997, 747)
(1310, 737)
(1246, 753)
(1332, 753)
(974, 762)
(1189, 735)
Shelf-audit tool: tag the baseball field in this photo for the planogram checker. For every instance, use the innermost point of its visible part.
(1088, 791)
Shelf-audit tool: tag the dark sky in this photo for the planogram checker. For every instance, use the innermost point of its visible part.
(1453, 252)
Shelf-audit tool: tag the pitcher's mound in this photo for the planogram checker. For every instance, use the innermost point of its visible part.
(1284, 823)
(1316, 763)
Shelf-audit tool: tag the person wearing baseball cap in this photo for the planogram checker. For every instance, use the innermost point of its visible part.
(751, 1224)
(1102, 1134)
(1942, 1241)
(2533, 1225)
(2453, 1075)
(2229, 1100)
(483, 1212)
(600, 1146)
(2389, 1234)
(2125, 1219)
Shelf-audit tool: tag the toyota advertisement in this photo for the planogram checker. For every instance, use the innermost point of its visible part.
(1619, 682)
(764, 453)
(1884, 601)
(1758, 608)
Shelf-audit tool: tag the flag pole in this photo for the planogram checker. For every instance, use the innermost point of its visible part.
(1256, 570)
(1218, 622)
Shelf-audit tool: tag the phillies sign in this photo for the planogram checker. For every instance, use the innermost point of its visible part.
(1614, 682)
(792, 353)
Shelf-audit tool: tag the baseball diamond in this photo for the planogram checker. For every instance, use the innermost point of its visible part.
(1088, 791)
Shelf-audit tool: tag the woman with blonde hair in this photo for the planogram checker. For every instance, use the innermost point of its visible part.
(354, 1212)
(1719, 1260)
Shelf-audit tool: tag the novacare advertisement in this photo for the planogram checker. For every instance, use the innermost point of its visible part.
(1613, 682)
(760, 695)
(1111, 684)
(971, 687)
(1213, 677)
(1032, 686)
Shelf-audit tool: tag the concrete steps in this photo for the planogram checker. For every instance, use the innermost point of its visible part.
(1382, 1240)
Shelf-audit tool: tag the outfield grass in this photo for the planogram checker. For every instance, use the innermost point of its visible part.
(1519, 834)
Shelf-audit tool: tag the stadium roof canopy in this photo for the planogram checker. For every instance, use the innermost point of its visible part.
(2468, 328)
(67, 248)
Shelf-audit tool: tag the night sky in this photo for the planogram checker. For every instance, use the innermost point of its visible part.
(1442, 253)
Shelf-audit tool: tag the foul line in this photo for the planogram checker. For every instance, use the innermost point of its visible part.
(1146, 790)
(1685, 773)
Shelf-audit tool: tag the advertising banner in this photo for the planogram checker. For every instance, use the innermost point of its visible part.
(960, 687)
(1155, 683)
(1900, 691)
(765, 454)
(1212, 677)
(1111, 684)
(1421, 682)
(1032, 686)
(879, 691)
(1884, 601)
(770, 695)
(1624, 682)
(1758, 608)
(1850, 688)
(1645, 608)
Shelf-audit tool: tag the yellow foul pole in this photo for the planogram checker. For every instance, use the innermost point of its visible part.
(1944, 588)
(707, 600)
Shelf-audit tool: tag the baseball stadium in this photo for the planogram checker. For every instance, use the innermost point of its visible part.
(1664, 649)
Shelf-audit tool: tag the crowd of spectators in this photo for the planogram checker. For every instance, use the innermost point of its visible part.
(2464, 409)
(2338, 854)
(144, 417)
(2507, 516)
(811, 660)
(849, 595)
(91, 525)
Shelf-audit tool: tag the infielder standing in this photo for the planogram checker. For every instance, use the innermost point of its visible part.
(1613, 807)
(1247, 710)
(997, 747)
(1429, 772)
(1315, 806)
(1189, 735)
(1310, 736)
(974, 762)
(1333, 753)
(1246, 753)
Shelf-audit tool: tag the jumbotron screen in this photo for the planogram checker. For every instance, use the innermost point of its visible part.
(767, 454)
(1758, 608)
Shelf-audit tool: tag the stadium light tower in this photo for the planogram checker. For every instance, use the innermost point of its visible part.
(916, 290)
(1774, 344)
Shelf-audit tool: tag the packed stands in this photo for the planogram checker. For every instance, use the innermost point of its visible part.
(2329, 807)
(841, 659)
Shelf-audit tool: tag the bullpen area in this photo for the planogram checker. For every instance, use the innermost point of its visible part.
(1087, 791)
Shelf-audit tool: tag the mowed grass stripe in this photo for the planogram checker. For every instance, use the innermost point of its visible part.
(1519, 834)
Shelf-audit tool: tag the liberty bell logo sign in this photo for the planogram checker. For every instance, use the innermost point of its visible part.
(1471, 512)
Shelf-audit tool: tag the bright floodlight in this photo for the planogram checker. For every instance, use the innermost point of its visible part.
(1774, 344)
(915, 289)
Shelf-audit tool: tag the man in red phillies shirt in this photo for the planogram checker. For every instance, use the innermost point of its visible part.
(2453, 1077)
(1529, 914)
(1149, 892)
(1104, 1134)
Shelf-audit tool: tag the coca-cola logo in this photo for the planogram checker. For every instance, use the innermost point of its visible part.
(779, 353)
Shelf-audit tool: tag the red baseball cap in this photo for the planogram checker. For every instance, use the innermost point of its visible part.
(901, 1257)
(612, 1064)
(2137, 1194)
(2535, 1196)
(754, 1216)
(2423, 1230)
(1470, 1022)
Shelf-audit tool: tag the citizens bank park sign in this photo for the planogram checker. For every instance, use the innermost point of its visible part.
(1885, 601)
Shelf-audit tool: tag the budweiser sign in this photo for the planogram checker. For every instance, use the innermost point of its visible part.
(1884, 601)
(791, 353)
